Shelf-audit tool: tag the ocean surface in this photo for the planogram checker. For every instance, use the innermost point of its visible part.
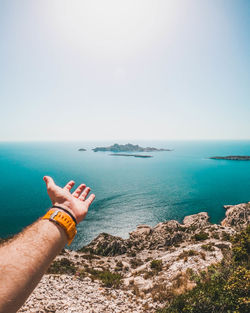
(129, 191)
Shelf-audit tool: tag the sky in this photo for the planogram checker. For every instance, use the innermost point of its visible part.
(132, 69)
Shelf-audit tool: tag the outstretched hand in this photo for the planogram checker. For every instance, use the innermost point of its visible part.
(77, 202)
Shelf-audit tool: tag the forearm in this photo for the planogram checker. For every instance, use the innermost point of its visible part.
(25, 259)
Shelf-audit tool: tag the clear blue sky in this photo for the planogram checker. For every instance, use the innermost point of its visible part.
(134, 69)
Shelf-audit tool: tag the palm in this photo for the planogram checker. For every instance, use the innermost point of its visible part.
(76, 202)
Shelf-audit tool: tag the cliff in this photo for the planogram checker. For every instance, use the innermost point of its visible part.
(138, 274)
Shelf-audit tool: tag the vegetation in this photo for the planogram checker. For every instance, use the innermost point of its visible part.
(208, 247)
(223, 288)
(225, 236)
(200, 236)
(108, 278)
(156, 265)
(119, 266)
(62, 266)
(187, 253)
(136, 262)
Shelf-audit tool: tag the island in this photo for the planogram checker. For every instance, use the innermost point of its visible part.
(232, 158)
(132, 155)
(82, 149)
(127, 148)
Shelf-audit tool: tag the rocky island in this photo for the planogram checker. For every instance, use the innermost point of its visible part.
(82, 149)
(127, 148)
(132, 155)
(232, 158)
(145, 272)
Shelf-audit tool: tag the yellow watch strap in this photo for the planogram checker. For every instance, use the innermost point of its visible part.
(64, 220)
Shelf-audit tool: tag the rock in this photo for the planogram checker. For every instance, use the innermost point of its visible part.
(232, 158)
(175, 249)
(107, 245)
(237, 216)
(128, 148)
(141, 230)
(142, 284)
(199, 220)
(128, 281)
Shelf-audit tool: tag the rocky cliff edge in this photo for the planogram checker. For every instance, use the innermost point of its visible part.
(113, 274)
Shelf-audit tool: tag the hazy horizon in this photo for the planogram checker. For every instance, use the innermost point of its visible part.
(121, 141)
(124, 71)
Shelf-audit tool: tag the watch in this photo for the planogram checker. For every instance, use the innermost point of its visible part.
(64, 220)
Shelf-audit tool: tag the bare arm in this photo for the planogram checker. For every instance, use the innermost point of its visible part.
(24, 259)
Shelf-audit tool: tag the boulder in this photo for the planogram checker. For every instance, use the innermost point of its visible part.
(237, 216)
(199, 220)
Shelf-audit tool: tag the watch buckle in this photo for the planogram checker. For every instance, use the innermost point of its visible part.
(54, 215)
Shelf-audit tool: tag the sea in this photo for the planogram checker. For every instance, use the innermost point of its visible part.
(129, 191)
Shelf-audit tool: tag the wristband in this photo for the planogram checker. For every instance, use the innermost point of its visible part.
(64, 220)
(65, 210)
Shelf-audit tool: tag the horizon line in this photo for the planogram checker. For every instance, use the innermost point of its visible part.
(116, 140)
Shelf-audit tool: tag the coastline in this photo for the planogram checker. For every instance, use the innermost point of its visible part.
(232, 158)
(182, 188)
(129, 275)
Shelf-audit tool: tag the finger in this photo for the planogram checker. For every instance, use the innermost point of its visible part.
(49, 182)
(69, 185)
(84, 194)
(78, 191)
(90, 199)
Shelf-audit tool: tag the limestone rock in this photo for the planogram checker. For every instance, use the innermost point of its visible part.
(140, 231)
(142, 284)
(107, 245)
(199, 220)
(237, 216)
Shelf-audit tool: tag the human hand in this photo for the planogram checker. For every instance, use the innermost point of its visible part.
(77, 202)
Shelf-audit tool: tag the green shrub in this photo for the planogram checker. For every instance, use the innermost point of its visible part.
(241, 246)
(225, 236)
(215, 235)
(135, 262)
(200, 236)
(223, 288)
(187, 253)
(108, 278)
(156, 265)
(208, 247)
(63, 266)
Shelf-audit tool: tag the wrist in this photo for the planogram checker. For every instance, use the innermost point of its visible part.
(63, 209)
(63, 220)
(66, 206)
(54, 232)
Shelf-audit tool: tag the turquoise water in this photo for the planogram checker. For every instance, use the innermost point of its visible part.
(129, 191)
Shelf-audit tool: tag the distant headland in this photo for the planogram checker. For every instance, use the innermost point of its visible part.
(232, 158)
(127, 148)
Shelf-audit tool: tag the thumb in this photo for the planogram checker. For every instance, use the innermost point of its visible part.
(49, 182)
